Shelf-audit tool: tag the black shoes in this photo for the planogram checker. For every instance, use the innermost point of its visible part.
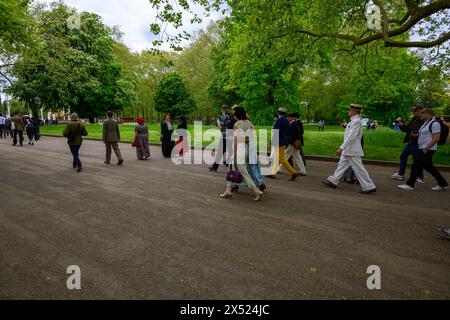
(212, 169)
(120, 162)
(330, 184)
(368, 191)
(293, 177)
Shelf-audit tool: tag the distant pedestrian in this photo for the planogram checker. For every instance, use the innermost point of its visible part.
(18, 127)
(351, 152)
(167, 143)
(37, 132)
(111, 138)
(74, 131)
(429, 136)
(321, 125)
(141, 138)
(226, 124)
(2, 126)
(8, 127)
(182, 143)
(29, 126)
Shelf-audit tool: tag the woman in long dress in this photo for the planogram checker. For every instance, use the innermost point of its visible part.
(166, 136)
(241, 146)
(141, 140)
(182, 143)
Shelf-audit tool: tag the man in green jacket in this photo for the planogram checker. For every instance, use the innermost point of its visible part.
(74, 132)
(111, 137)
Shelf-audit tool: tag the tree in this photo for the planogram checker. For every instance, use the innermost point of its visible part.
(342, 20)
(194, 65)
(172, 97)
(72, 68)
(15, 22)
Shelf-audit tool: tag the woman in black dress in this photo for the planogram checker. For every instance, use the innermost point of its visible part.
(166, 136)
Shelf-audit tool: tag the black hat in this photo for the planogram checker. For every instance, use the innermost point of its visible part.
(294, 115)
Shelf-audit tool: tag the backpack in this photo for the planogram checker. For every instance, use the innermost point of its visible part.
(444, 132)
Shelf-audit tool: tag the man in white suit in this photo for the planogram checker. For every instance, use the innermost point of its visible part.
(351, 152)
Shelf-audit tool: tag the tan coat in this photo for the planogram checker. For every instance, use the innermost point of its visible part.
(18, 123)
(111, 132)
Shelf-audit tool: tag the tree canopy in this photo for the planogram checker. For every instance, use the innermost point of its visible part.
(172, 97)
(72, 68)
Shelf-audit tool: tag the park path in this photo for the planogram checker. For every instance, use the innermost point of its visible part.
(153, 230)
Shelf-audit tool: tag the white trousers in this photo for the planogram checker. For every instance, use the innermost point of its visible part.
(297, 160)
(360, 172)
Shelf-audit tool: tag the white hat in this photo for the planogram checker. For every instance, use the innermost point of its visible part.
(282, 110)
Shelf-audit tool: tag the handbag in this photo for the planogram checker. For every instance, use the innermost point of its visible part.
(234, 176)
(135, 143)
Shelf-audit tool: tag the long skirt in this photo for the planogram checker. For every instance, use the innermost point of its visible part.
(167, 146)
(143, 151)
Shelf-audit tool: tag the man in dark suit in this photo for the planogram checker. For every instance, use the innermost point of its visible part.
(295, 143)
(280, 144)
(111, 137)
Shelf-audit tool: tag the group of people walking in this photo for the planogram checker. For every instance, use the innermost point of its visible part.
(16, 126)
(423, 135)
(238, 143)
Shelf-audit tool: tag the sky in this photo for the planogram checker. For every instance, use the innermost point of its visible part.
(133, 18)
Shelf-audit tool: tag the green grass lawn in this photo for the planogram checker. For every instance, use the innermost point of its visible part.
(380, 144)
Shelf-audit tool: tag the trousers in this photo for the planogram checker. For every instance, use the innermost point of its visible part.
(361, 173)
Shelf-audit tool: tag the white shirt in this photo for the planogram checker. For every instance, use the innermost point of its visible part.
(352, 138)
(425, 136)
(2, 120)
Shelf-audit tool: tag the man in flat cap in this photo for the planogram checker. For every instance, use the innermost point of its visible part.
(295, 143)
(280, 142)
(351, 152)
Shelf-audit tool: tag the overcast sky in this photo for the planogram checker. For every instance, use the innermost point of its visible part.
(132, 16)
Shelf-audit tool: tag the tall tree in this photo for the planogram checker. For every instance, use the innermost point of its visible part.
(172, 97)
(72, 68)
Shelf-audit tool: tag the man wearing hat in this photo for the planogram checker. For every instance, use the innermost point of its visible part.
(280, 144)
(351, 152)
(411, 138)
(295, 143)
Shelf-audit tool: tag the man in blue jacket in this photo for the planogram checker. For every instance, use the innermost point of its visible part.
(280, 144)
